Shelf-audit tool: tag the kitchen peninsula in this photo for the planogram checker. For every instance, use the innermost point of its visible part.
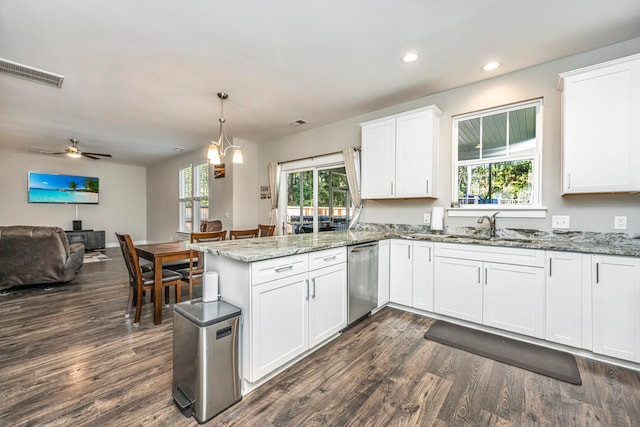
(572, 291)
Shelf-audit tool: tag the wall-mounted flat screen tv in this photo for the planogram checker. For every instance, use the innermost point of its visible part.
(69, 189)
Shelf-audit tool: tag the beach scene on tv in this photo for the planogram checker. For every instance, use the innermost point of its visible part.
(53, 188)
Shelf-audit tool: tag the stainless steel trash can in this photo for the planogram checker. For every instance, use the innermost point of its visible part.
(206, 378)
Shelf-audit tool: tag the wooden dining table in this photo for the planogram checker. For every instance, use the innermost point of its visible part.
(160, 253)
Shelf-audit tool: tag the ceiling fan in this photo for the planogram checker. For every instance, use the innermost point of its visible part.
(74, 152)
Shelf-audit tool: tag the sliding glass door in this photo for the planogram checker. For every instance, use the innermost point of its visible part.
(317, 198)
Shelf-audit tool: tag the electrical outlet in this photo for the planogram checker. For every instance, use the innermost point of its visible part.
(427, 218)
(620, 222)
(559, 221)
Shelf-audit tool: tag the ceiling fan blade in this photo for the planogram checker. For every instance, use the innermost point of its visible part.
(90, 156)
(97, 154)
(49, 152)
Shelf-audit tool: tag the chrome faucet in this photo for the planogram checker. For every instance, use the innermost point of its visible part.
(492, 223)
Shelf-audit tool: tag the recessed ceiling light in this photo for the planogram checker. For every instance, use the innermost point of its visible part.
(490, 66)
(410, 57)
(178, 149)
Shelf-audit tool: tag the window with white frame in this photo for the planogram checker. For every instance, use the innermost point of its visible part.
(194, 196)
(497, 156)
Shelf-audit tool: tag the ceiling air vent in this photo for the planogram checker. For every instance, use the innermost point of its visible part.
(298, 122)
(29, 73)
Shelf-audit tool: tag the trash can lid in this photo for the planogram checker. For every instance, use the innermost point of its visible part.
(206, 313)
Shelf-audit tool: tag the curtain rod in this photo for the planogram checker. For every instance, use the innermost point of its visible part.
(313, 157)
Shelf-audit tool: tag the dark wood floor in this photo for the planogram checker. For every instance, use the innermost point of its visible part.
(69, 357)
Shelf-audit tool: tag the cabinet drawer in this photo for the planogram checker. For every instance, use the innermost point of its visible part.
(503, 255)
(327, 257)
(272, 269)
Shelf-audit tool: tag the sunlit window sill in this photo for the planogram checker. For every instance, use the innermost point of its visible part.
(505, 211)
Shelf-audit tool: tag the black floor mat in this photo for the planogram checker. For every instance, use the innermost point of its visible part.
(552, 363)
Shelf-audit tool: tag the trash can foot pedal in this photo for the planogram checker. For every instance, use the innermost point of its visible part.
(183, 402)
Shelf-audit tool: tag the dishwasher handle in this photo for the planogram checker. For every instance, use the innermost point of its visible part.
(360, 248)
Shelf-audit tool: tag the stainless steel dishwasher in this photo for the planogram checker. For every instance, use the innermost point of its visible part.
(362, 265)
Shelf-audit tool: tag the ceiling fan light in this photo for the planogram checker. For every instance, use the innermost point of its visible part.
(74, 155)
(238, 156)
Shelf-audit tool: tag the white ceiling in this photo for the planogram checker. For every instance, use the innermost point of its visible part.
(141, 76)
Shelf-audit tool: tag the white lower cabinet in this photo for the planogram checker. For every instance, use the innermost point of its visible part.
(400, 286)
(615, 285)
(295, 312)
(494, 286)
(279, 323)
(411, 273)
(327, 302)
(422, 275)
(383, 272)
(513, 298)
(457, 290)
(563, 308)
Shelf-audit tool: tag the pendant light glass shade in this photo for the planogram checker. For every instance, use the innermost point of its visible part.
(217, 150)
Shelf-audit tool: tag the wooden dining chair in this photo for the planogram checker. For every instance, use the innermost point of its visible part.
(243, 234)
(196, 261)
(141, 281)
(266, 230)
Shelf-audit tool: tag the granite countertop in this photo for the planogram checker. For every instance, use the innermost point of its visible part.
(250, 250)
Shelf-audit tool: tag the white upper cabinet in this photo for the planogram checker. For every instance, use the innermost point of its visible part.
(400, 155)
(600, 128)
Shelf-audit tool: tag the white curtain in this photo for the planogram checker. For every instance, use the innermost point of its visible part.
(274, 189)
(352, 166)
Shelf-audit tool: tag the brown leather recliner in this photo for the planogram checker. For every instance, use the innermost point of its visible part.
(33, 254)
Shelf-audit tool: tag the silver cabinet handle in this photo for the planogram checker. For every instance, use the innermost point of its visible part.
(478, 274)
(285, 268)
(427, 186)
(330, 258)
(392, 188)
(568, 180)
(409, 252)
(597, 272)
(306, 297)
(313, 292)
(485, 276)
(429, 253)
(550, 266)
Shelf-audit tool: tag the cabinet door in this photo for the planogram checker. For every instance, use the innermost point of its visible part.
(415, 154)
(383, 272)
(616, 299)
(423, 275)
(600, 128)
(513, 298)
(563, 308)
(400, 277)
(327, 302)
(457, 289)
(279, 323)
(378, 159)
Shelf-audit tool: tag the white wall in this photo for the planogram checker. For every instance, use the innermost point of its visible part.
(236, 194)
(587, 212)
(122, 206)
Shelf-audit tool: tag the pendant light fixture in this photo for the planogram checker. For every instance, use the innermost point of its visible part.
(217, 150)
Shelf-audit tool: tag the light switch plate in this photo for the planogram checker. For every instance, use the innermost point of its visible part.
(427, 218)
(560, 221)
